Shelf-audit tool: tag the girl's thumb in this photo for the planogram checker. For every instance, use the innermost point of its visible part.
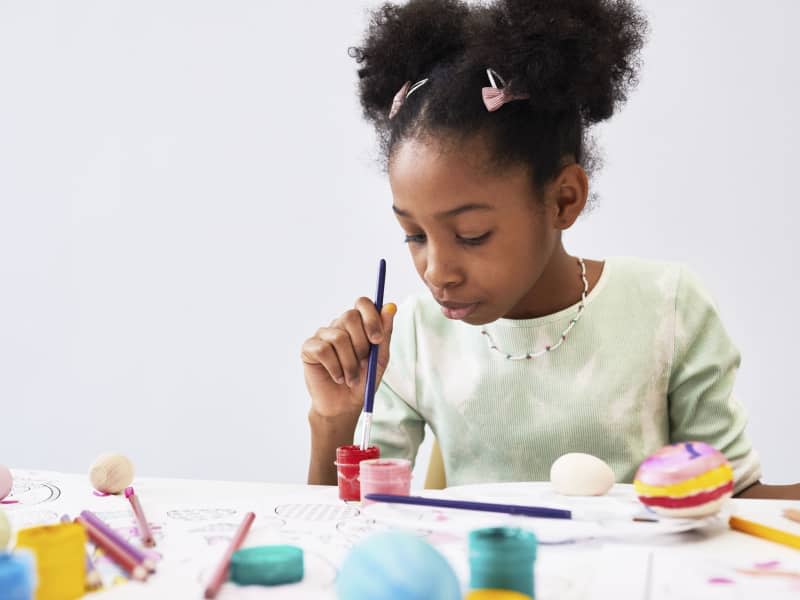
(387, 316)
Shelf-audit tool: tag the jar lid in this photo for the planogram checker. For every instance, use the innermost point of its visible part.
(354, 454)
(267, 565)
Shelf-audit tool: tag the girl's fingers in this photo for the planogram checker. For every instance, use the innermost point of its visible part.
(352, 322)
(372, 323)
(318, 352)
(339, 339)
(342, 348)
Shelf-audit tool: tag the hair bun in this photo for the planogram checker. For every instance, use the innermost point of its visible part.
(405, 43)
(567, 54)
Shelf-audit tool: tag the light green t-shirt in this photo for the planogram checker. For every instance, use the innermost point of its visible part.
(649, 363)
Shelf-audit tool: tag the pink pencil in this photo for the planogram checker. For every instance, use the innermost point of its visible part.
(144, 527)
(221, 572)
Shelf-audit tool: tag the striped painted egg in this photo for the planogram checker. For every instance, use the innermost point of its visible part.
(687, 479)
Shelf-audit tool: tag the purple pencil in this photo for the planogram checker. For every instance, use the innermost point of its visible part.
(129, 549)
(511, 509)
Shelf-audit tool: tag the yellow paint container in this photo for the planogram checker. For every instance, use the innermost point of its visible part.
(60, 552)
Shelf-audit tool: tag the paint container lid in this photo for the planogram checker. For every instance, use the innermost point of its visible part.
(267, 565)
(385, 469)
(17, 575)
(496, 595)
(352, 455)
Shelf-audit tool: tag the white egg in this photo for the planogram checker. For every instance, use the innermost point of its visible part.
(579, 474)
(111, 473)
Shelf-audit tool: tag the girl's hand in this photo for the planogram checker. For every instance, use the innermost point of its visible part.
(335, 358)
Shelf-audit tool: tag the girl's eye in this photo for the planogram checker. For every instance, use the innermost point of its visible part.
(419, 238)
(474, 241)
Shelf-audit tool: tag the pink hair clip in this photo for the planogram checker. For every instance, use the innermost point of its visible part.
(403, 93)
(494, 97)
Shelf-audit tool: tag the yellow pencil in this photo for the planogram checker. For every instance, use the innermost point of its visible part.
(767, 533)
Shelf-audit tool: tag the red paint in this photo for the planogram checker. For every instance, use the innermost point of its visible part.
(347, 469)
(688, 501)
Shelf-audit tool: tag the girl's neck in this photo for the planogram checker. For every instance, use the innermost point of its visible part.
(559, 287)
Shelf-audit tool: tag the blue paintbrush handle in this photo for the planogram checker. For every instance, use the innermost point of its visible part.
(372, 366)
(511, 509)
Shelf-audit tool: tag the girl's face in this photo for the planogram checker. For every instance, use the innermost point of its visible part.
(480, 239)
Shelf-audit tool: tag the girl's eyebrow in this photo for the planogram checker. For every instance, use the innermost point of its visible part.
(448, 213)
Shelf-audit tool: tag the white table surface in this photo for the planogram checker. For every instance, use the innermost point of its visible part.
(194, 519)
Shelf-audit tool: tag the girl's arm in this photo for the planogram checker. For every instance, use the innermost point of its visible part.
(327, 434)
(774, 492)
(335, 362)
(702, 405)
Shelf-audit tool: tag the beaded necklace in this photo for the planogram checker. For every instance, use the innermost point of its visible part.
(546, 349)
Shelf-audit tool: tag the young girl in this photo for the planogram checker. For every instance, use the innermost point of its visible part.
(521, 352)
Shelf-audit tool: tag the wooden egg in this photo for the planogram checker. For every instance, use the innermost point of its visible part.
(687, 479)
(579, 474)
(111, 473)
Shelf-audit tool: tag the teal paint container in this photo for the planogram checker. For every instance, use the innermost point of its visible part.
(502, 558)
(267, 565)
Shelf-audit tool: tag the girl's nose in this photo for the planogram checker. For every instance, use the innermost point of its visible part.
(441, 271)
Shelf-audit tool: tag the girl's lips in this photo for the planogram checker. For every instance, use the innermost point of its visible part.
(458, 311)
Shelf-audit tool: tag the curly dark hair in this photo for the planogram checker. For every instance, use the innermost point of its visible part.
(577, 59)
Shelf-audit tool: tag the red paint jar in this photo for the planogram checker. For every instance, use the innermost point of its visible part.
(348, 459)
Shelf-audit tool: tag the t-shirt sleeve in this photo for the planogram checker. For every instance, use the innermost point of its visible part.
(397, 427)
(702, 405)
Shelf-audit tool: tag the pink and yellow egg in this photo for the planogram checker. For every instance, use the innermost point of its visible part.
(687, 479)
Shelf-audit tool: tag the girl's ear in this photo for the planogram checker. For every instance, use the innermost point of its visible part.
(569, 192)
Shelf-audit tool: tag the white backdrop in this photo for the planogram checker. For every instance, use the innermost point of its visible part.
(187, 191)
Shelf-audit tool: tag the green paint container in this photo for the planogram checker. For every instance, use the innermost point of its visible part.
(267, 565)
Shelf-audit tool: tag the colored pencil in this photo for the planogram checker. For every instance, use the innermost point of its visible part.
(221, 572)
(139, 556)
(511, 509)
(765, 532)
(114, 552)
(93, 579)
(792, 514)
(144, 527)
(372, 365)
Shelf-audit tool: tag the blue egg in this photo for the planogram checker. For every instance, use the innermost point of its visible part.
(17, 575)
(396, 566)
